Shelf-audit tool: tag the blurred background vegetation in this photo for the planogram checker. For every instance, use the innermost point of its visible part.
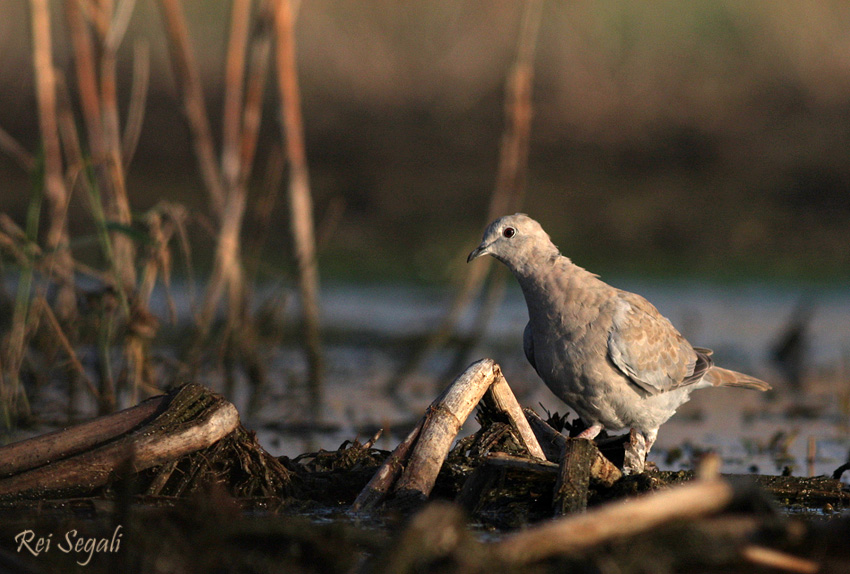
(705, 138)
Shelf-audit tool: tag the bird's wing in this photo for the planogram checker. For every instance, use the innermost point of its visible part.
(528, 344)
(646, 347)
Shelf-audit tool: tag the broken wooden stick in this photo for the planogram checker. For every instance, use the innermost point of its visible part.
(501, 396)
(422, 453)
(574, 534)
(574, 476)
(195, 419)
(377, 488)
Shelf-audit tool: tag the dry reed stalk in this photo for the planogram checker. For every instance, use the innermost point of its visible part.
(55, 191)
(117, 202)
(255, 88)
(300, 200)
(234, 77)
(188, 78)
(506, 197)
(138, 99)
(84, 64)
(264, 207)
(41, 307)
(11, 147)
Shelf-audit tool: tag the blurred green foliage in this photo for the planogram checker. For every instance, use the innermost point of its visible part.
(705, 138)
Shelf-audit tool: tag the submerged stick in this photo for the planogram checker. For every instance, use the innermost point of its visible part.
(574, 534)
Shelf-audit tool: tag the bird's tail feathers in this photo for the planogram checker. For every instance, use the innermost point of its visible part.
(720, 377)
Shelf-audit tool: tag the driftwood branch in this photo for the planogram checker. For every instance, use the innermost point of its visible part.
(569, 536)
(195, 419)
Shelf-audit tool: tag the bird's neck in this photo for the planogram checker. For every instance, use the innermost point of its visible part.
(547, 284)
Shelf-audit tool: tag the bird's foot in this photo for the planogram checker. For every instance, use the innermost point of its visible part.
(590, 432)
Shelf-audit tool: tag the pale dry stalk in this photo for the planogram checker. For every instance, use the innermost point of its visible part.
(300, 200)
(55, 191)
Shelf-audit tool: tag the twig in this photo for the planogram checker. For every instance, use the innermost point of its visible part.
(381, 482)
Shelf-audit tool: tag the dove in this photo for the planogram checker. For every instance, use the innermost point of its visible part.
(607, 353)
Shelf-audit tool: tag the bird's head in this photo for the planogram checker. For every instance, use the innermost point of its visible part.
(514, 239)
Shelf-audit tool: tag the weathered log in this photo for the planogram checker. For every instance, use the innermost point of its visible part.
(571, 535)
(447, 414)
(37, 451)
(574, 476)
(195, 419)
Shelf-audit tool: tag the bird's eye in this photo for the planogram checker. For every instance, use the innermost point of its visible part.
(509, 232)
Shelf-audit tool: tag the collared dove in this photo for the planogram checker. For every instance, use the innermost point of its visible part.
(607, 353)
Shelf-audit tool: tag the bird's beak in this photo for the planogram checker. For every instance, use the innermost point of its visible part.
(478, 252)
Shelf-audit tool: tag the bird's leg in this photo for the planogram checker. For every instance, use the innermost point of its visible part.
(635, 452)
(591, 431)
(650, 437)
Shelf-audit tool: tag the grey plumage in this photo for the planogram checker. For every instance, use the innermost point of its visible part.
(609, 354)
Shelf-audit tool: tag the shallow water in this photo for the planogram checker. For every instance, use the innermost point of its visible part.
(753, 432)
